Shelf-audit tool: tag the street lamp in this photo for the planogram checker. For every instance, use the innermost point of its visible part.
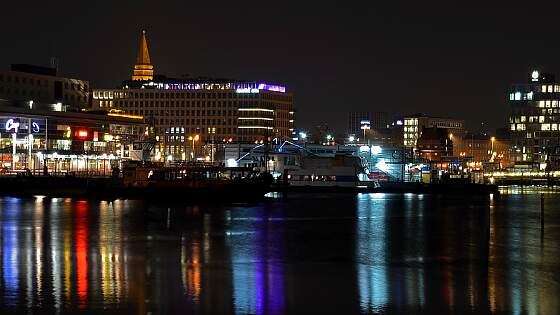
(193, 139)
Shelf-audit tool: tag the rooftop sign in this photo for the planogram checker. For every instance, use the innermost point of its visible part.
(251, 87)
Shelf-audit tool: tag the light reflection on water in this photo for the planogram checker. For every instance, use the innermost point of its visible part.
(366, 253)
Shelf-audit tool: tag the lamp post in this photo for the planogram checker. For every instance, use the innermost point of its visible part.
(193, 139)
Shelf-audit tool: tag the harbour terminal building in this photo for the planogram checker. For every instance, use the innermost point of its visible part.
(46, 125)
(196, 117)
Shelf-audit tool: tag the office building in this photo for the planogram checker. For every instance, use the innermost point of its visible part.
(414, 125)
(535, 120)
(28, 84)
(193, 117)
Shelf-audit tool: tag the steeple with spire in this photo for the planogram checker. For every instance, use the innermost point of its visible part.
(143, 69)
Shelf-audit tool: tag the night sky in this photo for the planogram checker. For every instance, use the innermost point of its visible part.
(443, 58)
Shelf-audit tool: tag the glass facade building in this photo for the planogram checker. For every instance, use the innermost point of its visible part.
(535, 120)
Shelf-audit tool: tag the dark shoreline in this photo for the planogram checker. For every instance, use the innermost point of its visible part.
(111, 188)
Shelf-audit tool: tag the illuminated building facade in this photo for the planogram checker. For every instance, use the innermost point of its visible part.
(194, 117)
(535, 120)
(414, 124)
(25, 84)
(36, 139)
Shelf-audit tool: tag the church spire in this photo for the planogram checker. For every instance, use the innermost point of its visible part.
(143, 69)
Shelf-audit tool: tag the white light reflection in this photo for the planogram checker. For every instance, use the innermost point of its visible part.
(55, 253)
(371, 252)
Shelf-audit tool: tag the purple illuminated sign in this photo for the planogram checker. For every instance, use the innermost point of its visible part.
(274, 88)
(241, 86)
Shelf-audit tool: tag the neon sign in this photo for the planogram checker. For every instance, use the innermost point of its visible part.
(12, 125)
(243, 87)
(35, 127)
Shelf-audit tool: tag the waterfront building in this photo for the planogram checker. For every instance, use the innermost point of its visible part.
(535, 121)
(434, 144)
(28, 84)
(194, 117)
(414, 125)
(45, 124)
(39, 138)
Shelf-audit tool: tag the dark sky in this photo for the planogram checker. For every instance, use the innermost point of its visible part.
(439, 58)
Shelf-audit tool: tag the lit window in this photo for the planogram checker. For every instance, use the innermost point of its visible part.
(554, 127)
(545, 127)
(554, 103)
(523, 118)
(530, 96)
(541, 104)
(550, 89)
(543, 89)
(517, 96)
(512, 126)
(547, 104)
(541, 119)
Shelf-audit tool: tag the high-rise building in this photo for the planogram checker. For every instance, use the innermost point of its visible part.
(191, 115)
(535, 120)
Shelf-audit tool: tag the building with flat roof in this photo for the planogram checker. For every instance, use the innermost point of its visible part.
(192, 117)
(46, 124)
(27, 83)
(535, 120)
(414, 125)
(39, 138)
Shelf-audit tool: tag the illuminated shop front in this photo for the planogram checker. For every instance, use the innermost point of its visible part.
(65, 142)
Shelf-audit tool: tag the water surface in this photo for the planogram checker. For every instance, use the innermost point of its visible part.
(334, 254)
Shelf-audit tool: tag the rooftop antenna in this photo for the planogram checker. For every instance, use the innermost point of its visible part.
(54, 63)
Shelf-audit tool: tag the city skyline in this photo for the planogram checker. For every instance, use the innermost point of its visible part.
(442, 61)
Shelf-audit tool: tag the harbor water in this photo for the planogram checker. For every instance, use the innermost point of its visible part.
(303, 254)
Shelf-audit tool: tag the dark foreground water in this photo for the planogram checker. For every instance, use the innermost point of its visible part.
(314, 254)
